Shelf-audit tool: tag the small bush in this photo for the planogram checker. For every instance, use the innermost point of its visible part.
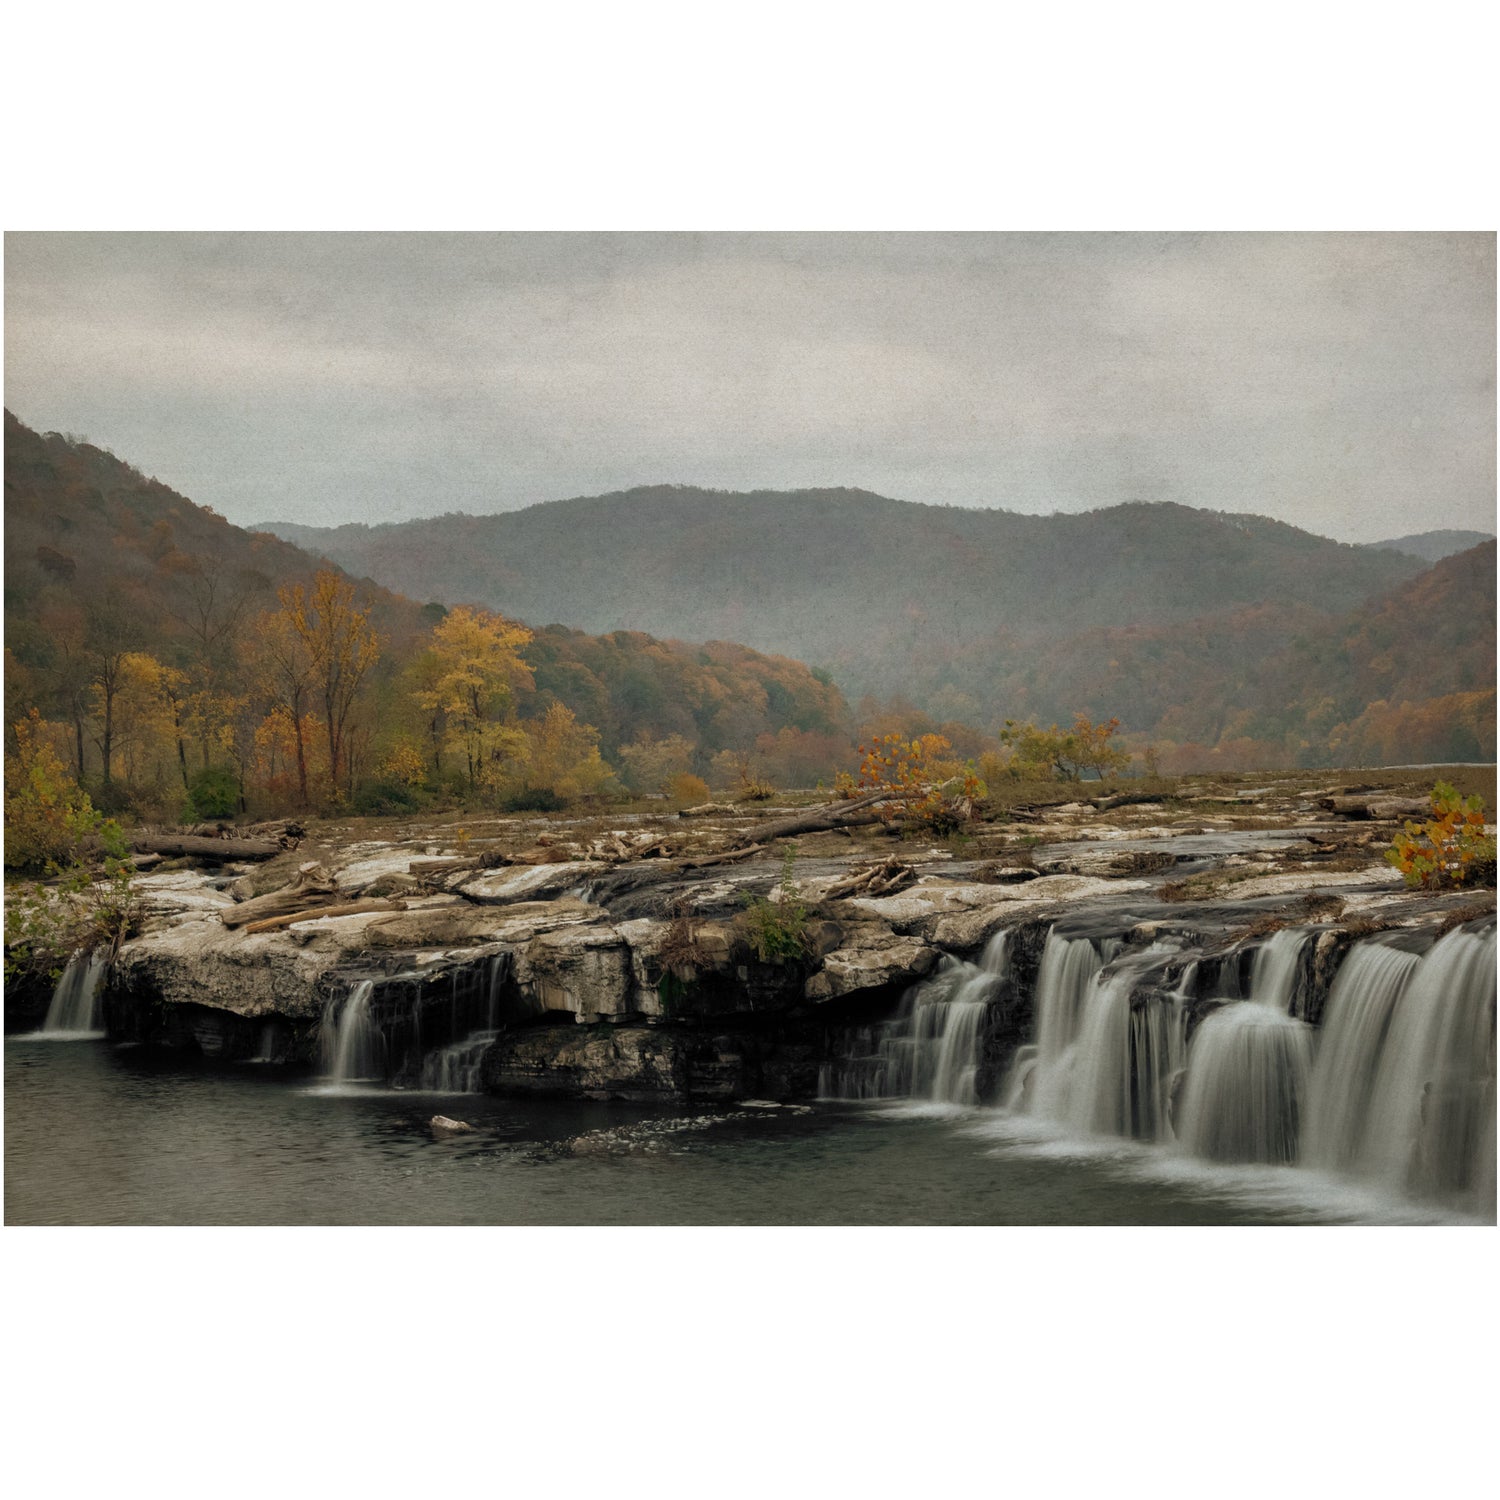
(50, 821)
(685, 788)
(778, 929)
(532, 799)
(215, 793)
(1451, 849)
(388, 798)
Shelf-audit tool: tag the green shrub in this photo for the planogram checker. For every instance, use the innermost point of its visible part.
(387, 798)
(215, 793)
(50, 822)
(778, 929)
(532, 799)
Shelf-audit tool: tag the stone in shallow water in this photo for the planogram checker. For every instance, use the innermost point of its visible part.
(442, 1127)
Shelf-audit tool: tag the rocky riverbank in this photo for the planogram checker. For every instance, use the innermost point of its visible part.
(618, 959)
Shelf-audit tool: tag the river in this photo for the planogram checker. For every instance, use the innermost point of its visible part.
(98, 1133)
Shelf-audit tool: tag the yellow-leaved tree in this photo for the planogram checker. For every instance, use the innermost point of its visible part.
(466, 684)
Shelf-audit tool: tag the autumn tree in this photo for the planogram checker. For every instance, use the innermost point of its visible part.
(340, 645)
(563, 756)
(286, 668)
(466, 686)
(650, 763)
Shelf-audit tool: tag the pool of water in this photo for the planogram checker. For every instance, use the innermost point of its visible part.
(96, 1133)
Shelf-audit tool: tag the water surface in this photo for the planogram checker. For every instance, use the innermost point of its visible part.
(97, 1133)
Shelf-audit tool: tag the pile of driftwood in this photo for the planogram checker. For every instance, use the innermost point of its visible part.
(312, 894)
(884, 879)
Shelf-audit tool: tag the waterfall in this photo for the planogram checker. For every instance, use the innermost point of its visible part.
(933, 1047)
(1107, 1046)
(351, 1042)
(455, 1069)
(1249, 1065)
(1356, 1022)
(1431, 1115)
(1275, 969)
(1247, 1075)
(76, 1010)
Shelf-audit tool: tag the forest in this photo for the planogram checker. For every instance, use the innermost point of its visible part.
(182, 668)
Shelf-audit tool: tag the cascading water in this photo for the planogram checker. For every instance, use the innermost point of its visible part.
(455, 1069)
(1246, 1077)
(1276, 969)
(1356, 1022)
(76, 1010)
(1107, 1047)
(351, 1042)
(931, 1050)
(1430, 1122)
(1249, 1066)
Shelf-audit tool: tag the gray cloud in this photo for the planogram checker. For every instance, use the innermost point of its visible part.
(1341, 382)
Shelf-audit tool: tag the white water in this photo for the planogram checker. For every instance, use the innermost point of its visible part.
(1247, 1077)
(455, 1069)
(1249, 1066)
(76, 1012)
(1356, 1022)
(932, 1050)
(351, 1042)
(1430, 1127)
(1105, 1056)
(1396, 1091)
(1275, 970)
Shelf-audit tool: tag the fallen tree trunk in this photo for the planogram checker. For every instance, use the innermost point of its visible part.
(314, 886)
(1366, 806)
(427, 868)
(221, 851)
(729, 856)
(820, 819)
(1124, 799)
(317, 913)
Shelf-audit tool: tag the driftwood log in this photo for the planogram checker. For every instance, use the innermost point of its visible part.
(317, 913)
(221, 851)
(852, 814)
(1376, 807)
(313, 886)
(729, 856)
(874, 880)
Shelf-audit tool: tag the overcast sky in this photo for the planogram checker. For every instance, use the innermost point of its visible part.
(1341, 382)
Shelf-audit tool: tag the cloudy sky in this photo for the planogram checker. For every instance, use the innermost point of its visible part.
(1341, 382)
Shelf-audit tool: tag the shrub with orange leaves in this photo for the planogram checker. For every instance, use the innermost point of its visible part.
(919, 771)
(1451, 849)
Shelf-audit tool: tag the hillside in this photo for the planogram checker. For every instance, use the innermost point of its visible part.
(971, 613)
(131, 607)
(1433, 546)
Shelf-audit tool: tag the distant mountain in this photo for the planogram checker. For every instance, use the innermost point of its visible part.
(888, 595)
(1433, 546)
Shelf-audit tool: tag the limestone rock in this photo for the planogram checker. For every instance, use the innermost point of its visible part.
(583, 970)
(524, 883)
(462, 925)
(870, 957)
